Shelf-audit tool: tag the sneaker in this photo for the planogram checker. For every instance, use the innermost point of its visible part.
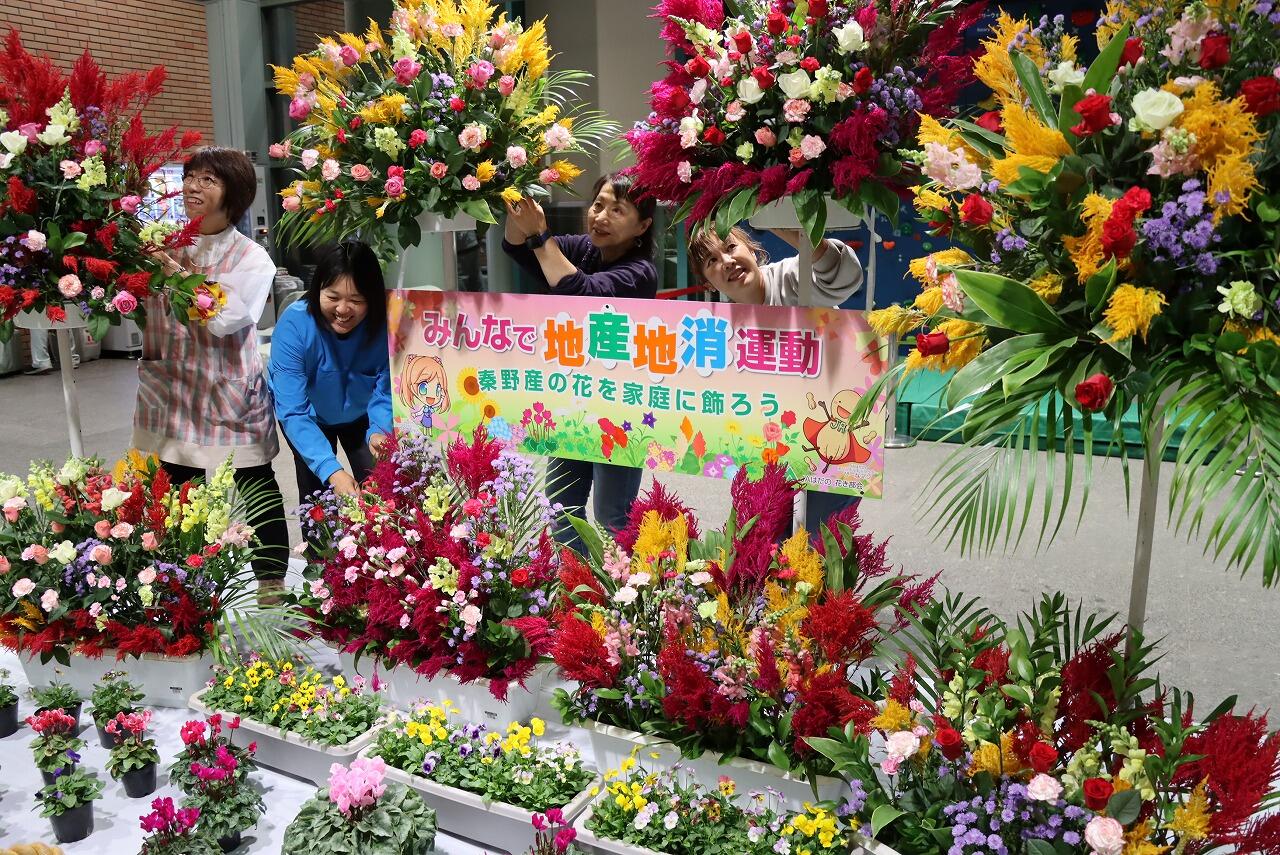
(36, 372)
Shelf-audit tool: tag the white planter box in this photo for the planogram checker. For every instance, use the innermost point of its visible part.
(404, 686)
(781, 214)
(33, 320)
(166, 681)
(611, 745)
(493, 825)
(288, 752)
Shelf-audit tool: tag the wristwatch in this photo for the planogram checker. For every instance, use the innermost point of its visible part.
(536, 241)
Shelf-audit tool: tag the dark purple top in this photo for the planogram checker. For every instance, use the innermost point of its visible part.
(633, 275)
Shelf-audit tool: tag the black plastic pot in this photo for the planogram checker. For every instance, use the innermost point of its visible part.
(230, 842)
(75, 824)
(74, 712)
(139, 782)
(9, 720)
(48, 777)
(105, 739)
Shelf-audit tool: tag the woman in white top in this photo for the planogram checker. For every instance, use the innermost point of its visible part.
(739, 268)
(202, 394)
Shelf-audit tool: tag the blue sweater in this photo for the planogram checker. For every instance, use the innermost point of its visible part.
(319, 378)
(633, 275)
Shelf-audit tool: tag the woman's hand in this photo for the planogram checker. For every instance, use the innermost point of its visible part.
(526, 217)
(343, 483)
(167, 264)
(376, 443)
(800, 241)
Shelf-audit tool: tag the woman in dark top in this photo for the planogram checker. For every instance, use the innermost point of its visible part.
(613, 259)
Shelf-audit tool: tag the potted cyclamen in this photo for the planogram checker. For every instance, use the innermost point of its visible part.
(227, 804)
(114, 695)
(59, 696)
(175, 831)
(553, 835)
(134, 756)
(8, 706)
(68, 801)
(55, 743)
(202, 741)
(360, 812)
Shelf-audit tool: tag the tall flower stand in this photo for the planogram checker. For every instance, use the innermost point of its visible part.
(38, 322)
(416, 266)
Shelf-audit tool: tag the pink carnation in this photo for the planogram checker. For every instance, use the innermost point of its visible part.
(22, 587)
(121, 530)
(310, 157)
(795, 109)
(330, 169)
(37, 553)
(812, 146)
(471, 182)
(557, 137)
(70, 286)
(70, 169)
(49, 600)
(517, 156)
(549, 176)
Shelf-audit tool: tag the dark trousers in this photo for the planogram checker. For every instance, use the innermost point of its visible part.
(351, 437)
(268, 523)
(570, 481)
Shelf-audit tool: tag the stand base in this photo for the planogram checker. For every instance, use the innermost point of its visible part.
(898, 440)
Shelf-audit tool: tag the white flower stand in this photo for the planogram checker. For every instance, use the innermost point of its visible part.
(38, 322)
(414, 267)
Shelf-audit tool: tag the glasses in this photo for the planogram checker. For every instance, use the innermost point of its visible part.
(201, 180)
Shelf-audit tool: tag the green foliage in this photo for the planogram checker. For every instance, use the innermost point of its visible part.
(114, 694)
(399, 823)
(55, 696)
(68, 792)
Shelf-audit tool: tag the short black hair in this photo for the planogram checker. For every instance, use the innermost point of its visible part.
(625, 188)
(234, 169)
(355, 259)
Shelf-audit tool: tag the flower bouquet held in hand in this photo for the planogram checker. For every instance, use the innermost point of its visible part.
(67, 800)
(1050, 737)
(440, 564)
(448, 111)
(133, 757)
(115, 694)
(1124, 230)
(174, 831)
(75, 160)
(810, 100)
(360, 812)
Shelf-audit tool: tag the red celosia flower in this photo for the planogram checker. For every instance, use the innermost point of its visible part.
(107, 236)
(580, 653)
(902, 688)
(710, 13)
(768, 501)
(101, 269)
(22, 199)
(842, 627)
(995, 662)
(827, 702)
(472, 463)
(1239, 760)
(1085, 681)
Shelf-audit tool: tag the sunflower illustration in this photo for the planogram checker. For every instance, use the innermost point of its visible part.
(469, 384)
(489, 408)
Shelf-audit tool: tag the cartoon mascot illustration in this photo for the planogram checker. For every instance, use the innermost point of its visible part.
(425, 388)
(832, 438)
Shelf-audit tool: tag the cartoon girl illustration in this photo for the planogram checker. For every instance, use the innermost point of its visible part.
(425, 388)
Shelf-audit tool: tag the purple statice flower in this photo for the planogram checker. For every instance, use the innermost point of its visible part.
(1184, 234)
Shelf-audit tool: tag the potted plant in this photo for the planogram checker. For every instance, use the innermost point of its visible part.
(552, 834)
(175, 831)
(68, 802)
(360, 812)
(56, 742)
(8, 706)
(59, 696)
(202, 742)
(114, 695)
(133, 756)
(227, 803)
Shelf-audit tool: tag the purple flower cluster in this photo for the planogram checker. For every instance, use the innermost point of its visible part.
(1183, 233)
(896, 93)
(1001, 821)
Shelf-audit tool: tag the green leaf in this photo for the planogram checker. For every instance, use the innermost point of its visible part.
(1010, 304)
(1014, 381)
(609, 694)
(409, 233)
(777, 756)
(1029, 77)
(74, 240)
(1100, 74)
(883, 200)
(1035, 846)
(1124, 806)
(1097, 291)
(1021, 694)
(990, 365)
(1067, 116)
(811, 211)
(882, 817)
(988, 142)
(1106, 335)
(99, 325)
(479, 209)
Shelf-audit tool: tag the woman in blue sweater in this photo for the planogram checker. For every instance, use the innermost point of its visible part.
(613, 259)
(329, 370)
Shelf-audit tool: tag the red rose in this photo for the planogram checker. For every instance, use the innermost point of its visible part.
(1215, 51)
(1097, 792)
(698, 67)
(355, 122)
(457, 104)
(520, 577)
(949, 742)
(743, 42)
(788, 418)
(991, 121)
(817, 9)
(777, 23)
(195, 562)
(1261, 95)
(1095, 110)
(794, 40)
(763, 76)
(1042, 756)
(55, 313)
(417, 138)
(976, 210)
(316, 513)
(932, 344)
(810, 64)
(862, 80)
(1092, 394)
(713, 136)
(1118, 238)
(1133, 51)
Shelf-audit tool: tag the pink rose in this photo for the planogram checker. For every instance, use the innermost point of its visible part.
(557, 137)
(147, 575)
(812, 146)
(394, 186)
(124, 302)
(93, 147)
(292, 204)
(406, 70)
(549, 176)
(13, 507)
(70, 286)
(684, 171)
(37, 553)
(306, 81)
(480, 72)
(1105, 835)
(70, 169)
(471, 183)
(130, 204)
(34, 240)
(30, 130)
(98, 293)
(330, 169)
(299, 109)
(22, 587)
(49, 600)
(102, 529)
(349, 55)
(101, 554)
(795, 157)
(417, 138)
(279, 150)
(4, 565)
(310, 157)
(795, 109)
(506, 85)
(149, 541)
(439, 169)
(473, 136)
(517, 156)
(372, 47)
(95, 610)
(360, 172)
(766, 137)
(121, 530)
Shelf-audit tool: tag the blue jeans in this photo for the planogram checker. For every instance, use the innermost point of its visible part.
(570, 481)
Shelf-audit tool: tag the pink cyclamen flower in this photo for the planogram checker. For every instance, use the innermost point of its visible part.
(121, 530)
(470, 182)
(517, 156)
(70, 286)
(565, 837)
(557, 137)
(22, 587)
(70, 169)
(812, 146)
(406, 70)
(766, 137)
(310, 157)
(124, 302)
(101, 554)
(330, 169)
(360, 172)
(37, 553)
(49, 600)
(394, 186)
(130, 204)
(292, 204)
(439, 169)
(506, 85)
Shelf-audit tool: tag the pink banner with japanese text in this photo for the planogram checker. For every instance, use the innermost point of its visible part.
(669, 386)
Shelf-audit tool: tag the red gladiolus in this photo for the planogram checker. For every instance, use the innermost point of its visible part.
(1043, 756)
(1215, 51)
(991, 121)
(1097, 792)
(764, 77)
(777, 23)
(1093, 393)
(1133, 50)
(949, 742)
(976, 210)
(932, 344)
(697, 67)
(810, 64)
(1096, 115)
(1261, 95)
(862, 80)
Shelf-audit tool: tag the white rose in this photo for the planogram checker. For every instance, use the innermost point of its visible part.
(1043, 788)
(10, 488)
(795, 84)
(63, 553)
(53, 135)
(1105, 835)
(749, 91)
(1154, 110)
(14, 141)
(72, 472)
(1066, 74)
(851, 38)
(113, 498)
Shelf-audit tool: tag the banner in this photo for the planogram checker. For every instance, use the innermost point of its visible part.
(669, 386)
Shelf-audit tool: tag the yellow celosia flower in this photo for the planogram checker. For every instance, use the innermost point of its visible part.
(1191, 820)
(953, 257)
(1086, 250)
(1031, 143)
(995, 67)
(1048, 286)
(894, 717)
(531, 53)
(805, 561)
(894, 320)
(544, 117)
(1226, 136)
(387, 110)
(568, 172)
(1131, 310)
(927, 200)
(1137, 841)
(929, 300)
(656, 537)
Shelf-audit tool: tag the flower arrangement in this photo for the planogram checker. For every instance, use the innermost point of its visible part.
(301, 701)
(666, 813)
(133, 750)
(121, 561)
(112, 695)
(552, 834)
(1123, 234)
(75, 160)
(441, 564)
(449, 110)
(207, 746)
(728, 642)
(506, 767)
(56, 742)
(175, 831)
(811, 100)
(360, 812)
(1048, 736)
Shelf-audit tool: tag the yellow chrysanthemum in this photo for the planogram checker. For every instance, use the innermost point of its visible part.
(894, 320)
(1031, 143)
(512, 195)
(485, 171)
(952, 257)
(804, 560)
(1086, 250)
(929, 300)
(568, 172)
(1131, 310)
(1048, 286)
(1191, 820)
(893, 717)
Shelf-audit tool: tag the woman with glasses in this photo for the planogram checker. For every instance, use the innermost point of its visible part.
(202, 393)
